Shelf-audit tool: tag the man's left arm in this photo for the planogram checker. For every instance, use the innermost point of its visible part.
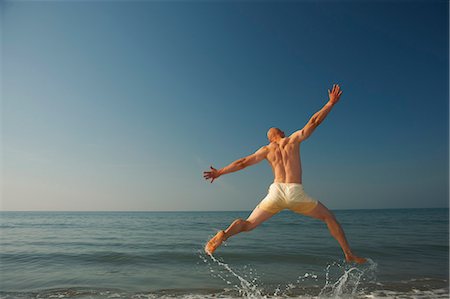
(319, 116)
(242, 163)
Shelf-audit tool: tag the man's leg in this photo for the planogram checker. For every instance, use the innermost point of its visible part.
(321, 212)
(257, 217)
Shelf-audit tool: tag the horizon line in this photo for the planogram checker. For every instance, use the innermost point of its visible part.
(205, 211)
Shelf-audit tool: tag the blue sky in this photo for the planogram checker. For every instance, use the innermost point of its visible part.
(118, 105)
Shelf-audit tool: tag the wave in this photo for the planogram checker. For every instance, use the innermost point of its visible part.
(161, 255)
(109, 257)
(95, 293)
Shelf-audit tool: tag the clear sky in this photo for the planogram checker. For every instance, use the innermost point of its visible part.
(119, 105)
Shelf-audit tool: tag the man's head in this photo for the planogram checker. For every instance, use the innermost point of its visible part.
(274, 134)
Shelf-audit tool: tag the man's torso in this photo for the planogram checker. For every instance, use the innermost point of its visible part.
(284, 157)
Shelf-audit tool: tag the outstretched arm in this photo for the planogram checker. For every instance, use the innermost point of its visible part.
(257, 157)
(319, 116)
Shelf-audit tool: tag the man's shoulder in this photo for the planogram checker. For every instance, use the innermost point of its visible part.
(265, 147)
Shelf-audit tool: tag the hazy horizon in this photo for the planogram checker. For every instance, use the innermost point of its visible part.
(200, 211)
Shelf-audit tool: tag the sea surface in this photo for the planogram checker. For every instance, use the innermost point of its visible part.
(160, 255)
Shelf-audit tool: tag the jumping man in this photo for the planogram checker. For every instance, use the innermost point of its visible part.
(286, 191)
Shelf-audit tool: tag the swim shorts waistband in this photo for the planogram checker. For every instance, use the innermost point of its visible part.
(292, 184)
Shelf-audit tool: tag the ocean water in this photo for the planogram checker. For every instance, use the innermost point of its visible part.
(160, 255)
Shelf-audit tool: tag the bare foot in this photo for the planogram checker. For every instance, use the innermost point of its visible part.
(356, 259)
(215, 242)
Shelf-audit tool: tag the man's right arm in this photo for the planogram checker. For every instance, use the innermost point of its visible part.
(319, 116)
(242, 163)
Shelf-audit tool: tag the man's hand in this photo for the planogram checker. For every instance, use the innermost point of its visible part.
(213, 174)
(334, 94)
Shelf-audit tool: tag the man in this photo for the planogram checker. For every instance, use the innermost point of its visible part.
(283, 154)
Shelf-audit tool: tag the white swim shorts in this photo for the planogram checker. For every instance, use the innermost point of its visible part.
(290, 196)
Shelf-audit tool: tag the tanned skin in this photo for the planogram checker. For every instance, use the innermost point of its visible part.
(283, 154)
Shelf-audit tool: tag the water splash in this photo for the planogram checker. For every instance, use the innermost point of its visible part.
(347, 283)
(247, 289)
(341, 280)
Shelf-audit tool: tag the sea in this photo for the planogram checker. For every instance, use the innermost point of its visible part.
(160, 255)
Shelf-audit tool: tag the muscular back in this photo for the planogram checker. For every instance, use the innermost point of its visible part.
(284, 157)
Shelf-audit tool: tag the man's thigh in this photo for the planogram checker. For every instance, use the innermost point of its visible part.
(319, 212)
(258, 216)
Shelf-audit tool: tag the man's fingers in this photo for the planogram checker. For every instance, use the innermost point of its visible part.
(336, 91)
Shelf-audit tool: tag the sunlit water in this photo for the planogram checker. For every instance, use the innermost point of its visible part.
(159, 255)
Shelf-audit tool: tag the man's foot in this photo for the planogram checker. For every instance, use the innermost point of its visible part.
(356, 259)
(215, 242)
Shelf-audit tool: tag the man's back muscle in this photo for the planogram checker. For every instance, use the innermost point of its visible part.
(284, 157)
